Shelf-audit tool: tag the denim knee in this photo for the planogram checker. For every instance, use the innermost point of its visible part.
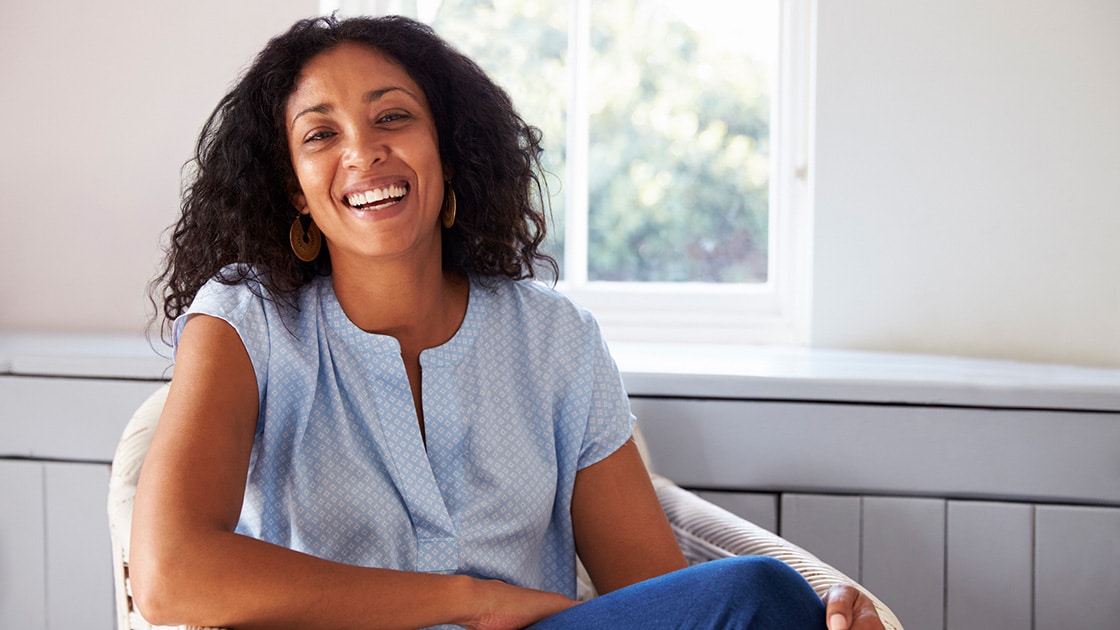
(786, 595)
(756, 570)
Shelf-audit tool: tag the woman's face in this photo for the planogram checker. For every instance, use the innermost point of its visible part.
(365, 152)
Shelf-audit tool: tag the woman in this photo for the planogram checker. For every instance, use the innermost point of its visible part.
(375, 420)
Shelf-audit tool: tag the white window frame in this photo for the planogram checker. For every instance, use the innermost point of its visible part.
(773, 312)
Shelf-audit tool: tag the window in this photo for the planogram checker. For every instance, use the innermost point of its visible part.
(676, 142)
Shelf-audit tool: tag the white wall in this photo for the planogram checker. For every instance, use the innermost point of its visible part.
(101, 103)
(967, 165)
(968, 178)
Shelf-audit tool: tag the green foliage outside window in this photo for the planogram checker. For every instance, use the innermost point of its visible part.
(679, 133)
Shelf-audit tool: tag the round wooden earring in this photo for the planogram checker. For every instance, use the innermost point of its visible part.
(306, 240)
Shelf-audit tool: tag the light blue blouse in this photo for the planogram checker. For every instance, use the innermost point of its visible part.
(523, 396)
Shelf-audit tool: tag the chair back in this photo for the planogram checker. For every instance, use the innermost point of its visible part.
(127, 460)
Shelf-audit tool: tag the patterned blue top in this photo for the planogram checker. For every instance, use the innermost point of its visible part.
(523, 396)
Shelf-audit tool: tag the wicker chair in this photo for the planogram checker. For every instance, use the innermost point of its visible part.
(704, 531)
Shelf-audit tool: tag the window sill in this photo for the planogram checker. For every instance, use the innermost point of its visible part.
(705, 371)
(742, 372)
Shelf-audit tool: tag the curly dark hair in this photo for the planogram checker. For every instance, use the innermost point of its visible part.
(236, 205)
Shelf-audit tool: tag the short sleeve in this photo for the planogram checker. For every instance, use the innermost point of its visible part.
(610, 422)
(244, 309)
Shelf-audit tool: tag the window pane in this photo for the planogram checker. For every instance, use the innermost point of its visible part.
(680, 140)
(523, 46)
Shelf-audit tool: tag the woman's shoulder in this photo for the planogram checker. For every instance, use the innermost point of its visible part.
(535, 303)
(240, 295)
(241, 292)
(529, 294)
(240, 282)
(234, 279)
(234, 289)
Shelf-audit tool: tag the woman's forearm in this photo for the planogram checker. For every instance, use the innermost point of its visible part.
(226, 579)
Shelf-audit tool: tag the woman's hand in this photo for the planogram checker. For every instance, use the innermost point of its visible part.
(502, 606)
(848, 607)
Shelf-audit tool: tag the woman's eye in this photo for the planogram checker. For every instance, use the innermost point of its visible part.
(392, 117)
(318, 136)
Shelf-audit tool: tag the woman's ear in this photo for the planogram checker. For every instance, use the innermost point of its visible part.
(299, 202)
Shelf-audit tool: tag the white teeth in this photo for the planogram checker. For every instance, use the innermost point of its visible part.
(376, 195)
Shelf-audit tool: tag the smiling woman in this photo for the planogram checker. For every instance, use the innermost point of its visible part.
(399, 428)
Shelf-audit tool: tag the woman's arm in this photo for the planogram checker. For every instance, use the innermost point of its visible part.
(622, 535)
(188, 565)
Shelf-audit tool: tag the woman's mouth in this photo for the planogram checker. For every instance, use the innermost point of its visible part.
(377, 198)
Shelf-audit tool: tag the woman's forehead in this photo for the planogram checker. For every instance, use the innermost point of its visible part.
(358, 69)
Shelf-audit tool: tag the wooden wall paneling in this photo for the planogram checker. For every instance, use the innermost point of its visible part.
(827, 526)
(989, 572)
(67, 418)
(22, 574)
(79, 554)
(904, 558)
(1077, 567)
(1043, 456)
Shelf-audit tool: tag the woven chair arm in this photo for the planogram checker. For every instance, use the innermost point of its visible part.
(707, 532)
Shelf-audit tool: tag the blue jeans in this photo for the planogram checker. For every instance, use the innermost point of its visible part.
(753, 592)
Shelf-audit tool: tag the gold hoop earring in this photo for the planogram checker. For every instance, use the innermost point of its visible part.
(306, 240)
(447, 213)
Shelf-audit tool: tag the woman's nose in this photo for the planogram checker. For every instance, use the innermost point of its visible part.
(364, 150)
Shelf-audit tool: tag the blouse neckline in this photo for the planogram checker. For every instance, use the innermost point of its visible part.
(449, 353)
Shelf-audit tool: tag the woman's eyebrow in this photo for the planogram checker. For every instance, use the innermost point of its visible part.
(374, 95)
(321, 108)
